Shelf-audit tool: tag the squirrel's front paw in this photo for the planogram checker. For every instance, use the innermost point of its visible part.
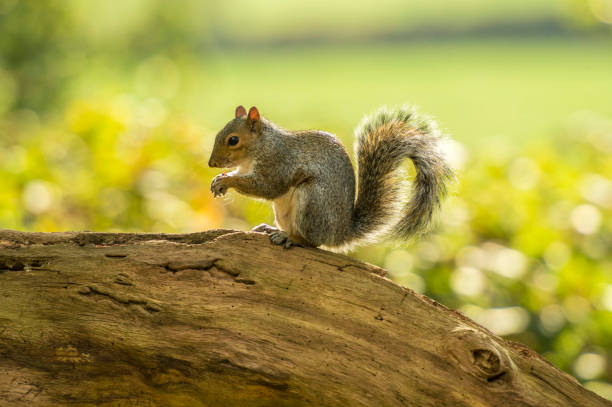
(220, 184)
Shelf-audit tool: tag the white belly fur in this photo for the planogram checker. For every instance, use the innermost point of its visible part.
(284, 211)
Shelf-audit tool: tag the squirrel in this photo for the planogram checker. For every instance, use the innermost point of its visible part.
(309, 177)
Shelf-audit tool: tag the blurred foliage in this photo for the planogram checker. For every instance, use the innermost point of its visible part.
(107, 111)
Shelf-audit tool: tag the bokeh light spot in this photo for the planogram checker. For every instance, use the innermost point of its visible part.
(586, 219)
(552, 318)
(504, 261)
(468, 281)
(589, 365)
(597, 189)
(545, 280)
(576, 308)
(606, 299)
(37, 196)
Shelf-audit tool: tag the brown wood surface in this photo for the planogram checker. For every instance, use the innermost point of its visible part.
(225, 318)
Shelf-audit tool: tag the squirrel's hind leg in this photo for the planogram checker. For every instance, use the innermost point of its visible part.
(321, 214)
(281, 238)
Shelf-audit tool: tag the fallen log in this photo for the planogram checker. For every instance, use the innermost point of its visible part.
(224, 318)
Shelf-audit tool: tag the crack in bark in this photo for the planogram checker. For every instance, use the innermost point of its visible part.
(115, 255)
(225, 269)
(232, 273)
(269, 380)
(123, 279)
(245, 281)
(23, 263)
(176, 266)
(119, 298)
(206, 264)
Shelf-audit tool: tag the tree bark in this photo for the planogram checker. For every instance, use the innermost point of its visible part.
(224, 318)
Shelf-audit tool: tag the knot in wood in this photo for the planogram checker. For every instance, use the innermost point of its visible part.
(479, 355)
(487, 361)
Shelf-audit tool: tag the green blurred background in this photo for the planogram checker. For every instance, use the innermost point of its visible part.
(108, 112)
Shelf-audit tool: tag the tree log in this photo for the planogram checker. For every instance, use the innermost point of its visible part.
(224, 318)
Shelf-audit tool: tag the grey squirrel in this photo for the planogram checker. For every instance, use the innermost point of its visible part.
(310, 179)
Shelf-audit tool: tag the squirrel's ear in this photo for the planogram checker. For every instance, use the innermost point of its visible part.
(253, 119)
(240, 111)
(254, 114)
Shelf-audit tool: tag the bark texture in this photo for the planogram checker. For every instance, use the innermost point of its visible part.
(224, 318)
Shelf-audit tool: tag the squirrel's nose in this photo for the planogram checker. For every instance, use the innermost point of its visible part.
(212, 163)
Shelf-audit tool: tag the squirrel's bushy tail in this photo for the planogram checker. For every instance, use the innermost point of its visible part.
(384, 140)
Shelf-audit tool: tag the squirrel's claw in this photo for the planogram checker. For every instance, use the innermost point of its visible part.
(218, 186)
(264, 228)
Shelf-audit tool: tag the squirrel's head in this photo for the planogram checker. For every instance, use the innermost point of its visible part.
(236, 140)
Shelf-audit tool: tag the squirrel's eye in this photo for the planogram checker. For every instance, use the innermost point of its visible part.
(233, 140)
